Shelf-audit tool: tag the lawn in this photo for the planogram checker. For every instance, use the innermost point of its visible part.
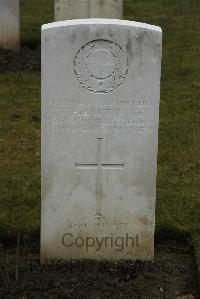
(178, 201)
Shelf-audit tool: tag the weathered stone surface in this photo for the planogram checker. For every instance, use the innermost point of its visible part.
(80, 9)
(9, 24)
(112, 9)
(71, 9)
(100, 114)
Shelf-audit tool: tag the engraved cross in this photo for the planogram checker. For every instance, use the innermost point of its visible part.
(99, 166)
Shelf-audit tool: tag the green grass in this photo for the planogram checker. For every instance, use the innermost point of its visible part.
(34, 13)
(178, 202)
(20, 152)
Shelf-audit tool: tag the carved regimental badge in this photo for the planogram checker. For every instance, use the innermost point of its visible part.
(101, 66)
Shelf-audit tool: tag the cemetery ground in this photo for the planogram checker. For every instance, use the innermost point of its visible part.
(177, 257)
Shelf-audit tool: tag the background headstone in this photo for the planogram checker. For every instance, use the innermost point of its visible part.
(111, 9)
(71, 9)
(100, 114)
(80, 9)
(9, 24)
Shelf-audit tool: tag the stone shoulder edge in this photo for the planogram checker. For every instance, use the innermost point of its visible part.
(101, 22)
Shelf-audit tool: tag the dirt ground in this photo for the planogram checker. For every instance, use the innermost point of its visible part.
(172, 274)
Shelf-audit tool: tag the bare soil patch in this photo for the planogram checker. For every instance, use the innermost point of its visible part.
(172, 274)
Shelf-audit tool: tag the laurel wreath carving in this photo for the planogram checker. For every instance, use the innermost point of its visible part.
(94, 84)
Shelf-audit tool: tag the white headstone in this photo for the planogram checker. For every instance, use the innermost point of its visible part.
(100, 115)
(71, 9)
(112, 9)
(9, 24)
(80, 9)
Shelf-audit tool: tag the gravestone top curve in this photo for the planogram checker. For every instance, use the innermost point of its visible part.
(101, 21)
